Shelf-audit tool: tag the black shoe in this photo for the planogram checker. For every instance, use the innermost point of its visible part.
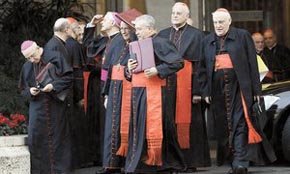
(240, 170)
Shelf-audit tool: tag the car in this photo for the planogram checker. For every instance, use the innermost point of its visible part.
(277, 127)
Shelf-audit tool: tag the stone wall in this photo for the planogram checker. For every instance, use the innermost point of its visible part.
(14, 155)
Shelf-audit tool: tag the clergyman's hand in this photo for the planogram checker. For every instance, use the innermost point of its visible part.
(81, 103)
(207, 99)
(196, 99)
(34, 91)
(106, 101)
(97, 19)
(47, 88)
(150, 72)
(132, 64)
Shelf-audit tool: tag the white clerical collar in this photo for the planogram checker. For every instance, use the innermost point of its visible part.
(178, 28)
(113, 33)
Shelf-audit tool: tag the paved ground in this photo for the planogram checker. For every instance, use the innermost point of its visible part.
(252, 170)
(281, 168)
(218, 170)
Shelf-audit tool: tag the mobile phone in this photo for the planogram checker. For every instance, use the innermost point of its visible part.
(38, 87)
(133, 56)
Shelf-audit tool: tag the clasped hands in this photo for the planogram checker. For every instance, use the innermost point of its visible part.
(34, 91)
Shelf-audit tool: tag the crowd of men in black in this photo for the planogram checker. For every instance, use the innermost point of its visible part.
(89, 107)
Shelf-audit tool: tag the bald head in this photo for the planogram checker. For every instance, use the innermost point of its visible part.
(270, 38)
(60, 28)
(60, 25)
(259, 41)
(222, 12)
(221, 21)
(183, 6)
(110, 22)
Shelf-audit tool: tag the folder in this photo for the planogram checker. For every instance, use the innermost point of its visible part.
(48, 75)
(143, 52)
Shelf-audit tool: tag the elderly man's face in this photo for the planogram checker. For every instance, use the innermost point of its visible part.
(142, 31)
(259, 42)
(80, 32)
(125, 31)
(107, 23)
(35, 57)
(73, 29)
(178, 15)
(270, 39)
(221, 23)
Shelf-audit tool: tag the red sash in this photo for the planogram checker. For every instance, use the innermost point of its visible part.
(154, 131)
(118, 74)
(86, 75)
(183, 104)
(223, 61)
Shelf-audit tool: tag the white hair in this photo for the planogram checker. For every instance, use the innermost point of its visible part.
(60, 25)
(146, 20)
(183, 5)
(222, 12)
(111, 16)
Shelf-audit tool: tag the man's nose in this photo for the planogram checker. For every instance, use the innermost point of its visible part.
(218, 25)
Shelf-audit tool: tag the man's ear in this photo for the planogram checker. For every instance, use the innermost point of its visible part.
(230, 21)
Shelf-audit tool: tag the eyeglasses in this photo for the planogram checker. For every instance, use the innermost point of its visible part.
(33, 55)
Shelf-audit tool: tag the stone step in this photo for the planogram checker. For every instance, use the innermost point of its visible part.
(14, 155)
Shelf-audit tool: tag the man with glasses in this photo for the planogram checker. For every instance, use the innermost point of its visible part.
(45, 75)
(152, 138)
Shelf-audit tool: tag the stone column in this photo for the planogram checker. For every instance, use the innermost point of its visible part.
(196, 13)
(161, 11)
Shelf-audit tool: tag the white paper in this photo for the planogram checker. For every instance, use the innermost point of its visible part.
(270, 100)
(263, 69)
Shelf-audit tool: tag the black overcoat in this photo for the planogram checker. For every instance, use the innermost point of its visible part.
(240, 46)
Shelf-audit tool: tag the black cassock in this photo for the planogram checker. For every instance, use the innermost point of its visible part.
(187, 40)
(113, 88)
(48, 131)
(96, 49)
(77, 120)
(168, 61)
(56, 44)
